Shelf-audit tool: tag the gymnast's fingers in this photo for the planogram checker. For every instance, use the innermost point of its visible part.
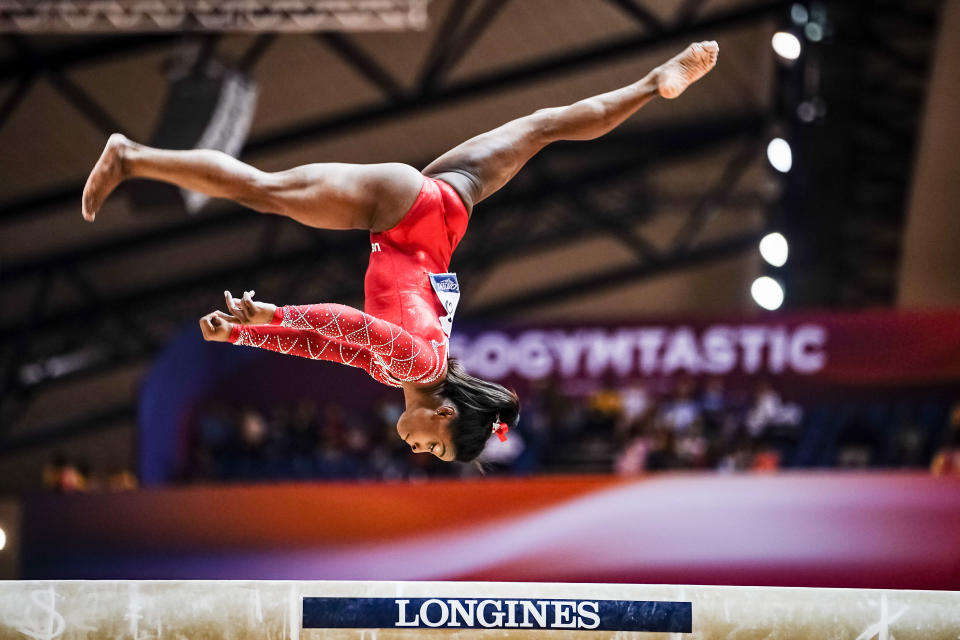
(249, 307)
(232, 302)
(206, 328)
(234, 307)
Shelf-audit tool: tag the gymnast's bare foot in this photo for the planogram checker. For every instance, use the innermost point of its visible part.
(685, 68)
(105, 176)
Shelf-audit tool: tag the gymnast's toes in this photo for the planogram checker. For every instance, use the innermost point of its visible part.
(687, 67)
(105, 176)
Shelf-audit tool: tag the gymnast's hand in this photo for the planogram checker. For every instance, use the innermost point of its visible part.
(216, 327)
(247, 311)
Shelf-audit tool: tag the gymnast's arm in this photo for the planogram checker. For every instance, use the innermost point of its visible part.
(406, 357)
(400, 351)
(216, 327)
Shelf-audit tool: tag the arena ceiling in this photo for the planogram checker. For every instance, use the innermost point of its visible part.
(661, 217)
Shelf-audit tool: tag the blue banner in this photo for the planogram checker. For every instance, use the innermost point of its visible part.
(497, 613)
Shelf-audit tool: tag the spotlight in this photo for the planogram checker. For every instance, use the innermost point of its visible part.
(786, 45)
(799, 14)
(806, 111)
(774, 249)
(3, 539)
(780, 155)
(813, 31)
(767, 293)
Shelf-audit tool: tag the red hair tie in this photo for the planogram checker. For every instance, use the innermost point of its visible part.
(501, 430)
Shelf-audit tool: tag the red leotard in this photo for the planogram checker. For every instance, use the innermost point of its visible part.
(400, 337)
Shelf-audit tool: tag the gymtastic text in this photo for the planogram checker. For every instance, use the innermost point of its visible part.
(506, 614)
(650, 350)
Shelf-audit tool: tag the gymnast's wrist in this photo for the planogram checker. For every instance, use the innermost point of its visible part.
(277, 315)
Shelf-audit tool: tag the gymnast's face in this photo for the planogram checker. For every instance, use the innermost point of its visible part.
(427, 430)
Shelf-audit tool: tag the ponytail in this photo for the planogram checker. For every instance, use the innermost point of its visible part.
(481, 407)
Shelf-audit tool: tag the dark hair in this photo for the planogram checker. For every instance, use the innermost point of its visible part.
(479, 403)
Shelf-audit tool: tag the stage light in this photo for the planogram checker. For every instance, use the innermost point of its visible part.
(786, 45)
(806, 111)
(774, 249)
(3, 539)
(780, 155)
(799, 14)
(813, 31)
(767, 293)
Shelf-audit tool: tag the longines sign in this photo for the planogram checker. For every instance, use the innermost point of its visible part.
(497, 613)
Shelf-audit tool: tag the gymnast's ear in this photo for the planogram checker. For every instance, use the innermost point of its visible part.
(447, 410)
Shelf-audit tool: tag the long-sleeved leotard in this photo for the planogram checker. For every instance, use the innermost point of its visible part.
(408, 297)
(339, 333)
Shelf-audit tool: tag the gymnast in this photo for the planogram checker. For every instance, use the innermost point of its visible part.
(415, 220)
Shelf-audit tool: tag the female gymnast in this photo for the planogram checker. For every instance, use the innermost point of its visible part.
(415, 221)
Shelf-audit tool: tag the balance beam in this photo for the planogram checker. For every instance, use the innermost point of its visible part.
(287, 610)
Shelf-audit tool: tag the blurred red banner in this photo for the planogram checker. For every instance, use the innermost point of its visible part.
(884, 530)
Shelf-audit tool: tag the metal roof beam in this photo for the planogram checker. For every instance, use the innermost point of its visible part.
(597, 282)
(87, 424)
(72, 55)
(499, 80)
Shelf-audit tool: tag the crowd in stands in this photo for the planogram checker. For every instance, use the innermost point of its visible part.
(302, 441)
(697, 424)
(68, 475)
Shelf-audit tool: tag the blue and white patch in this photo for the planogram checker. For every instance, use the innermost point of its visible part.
(498, 613)
(447, 288)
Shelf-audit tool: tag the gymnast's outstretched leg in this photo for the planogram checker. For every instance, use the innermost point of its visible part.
(375, 197)
(482, 165)
(328, 195)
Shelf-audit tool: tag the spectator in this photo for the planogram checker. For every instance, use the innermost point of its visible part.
(691, 447)
(713, 402)
(636, 404)
(773, 424)
(72, 479)
(908, 445)
(253, 433)
(303, 427)
(764, 410)
(739, 457)
(946, 461)
(633, 459)
(121, 480)
(766, 457)
(856, 446)
(683, 412)
(661, 454)
(53, 471)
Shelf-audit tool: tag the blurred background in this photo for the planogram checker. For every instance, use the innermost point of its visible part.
(734, 322)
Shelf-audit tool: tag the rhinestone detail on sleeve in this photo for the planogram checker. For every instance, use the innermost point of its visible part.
(343, 334)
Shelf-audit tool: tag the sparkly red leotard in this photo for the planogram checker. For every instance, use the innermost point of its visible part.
(409, 301)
